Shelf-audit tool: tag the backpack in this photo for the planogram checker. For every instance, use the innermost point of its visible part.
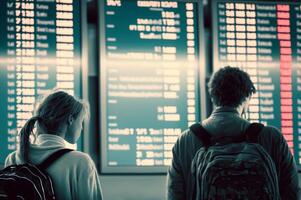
(28, 181)
(233, 168)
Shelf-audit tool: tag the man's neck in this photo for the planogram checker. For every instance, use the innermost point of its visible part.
(238, 110)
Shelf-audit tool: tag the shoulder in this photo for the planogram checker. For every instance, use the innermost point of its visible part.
(186, 137)
(271, 136)
(80, 159)
(271, 132)
(11, 159)
(187, 141)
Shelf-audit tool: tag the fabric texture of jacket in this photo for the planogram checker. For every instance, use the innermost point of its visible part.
(74, 175)
(225, 121)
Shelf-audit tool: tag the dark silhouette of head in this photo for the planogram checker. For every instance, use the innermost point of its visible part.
(230, 86)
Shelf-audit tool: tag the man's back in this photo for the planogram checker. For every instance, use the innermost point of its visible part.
(226, 121)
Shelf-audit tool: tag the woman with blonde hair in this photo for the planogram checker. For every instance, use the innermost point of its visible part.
(59, 118)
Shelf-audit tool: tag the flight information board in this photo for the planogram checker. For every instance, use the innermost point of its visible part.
(264, 38)
(40, 48)
(150, 70)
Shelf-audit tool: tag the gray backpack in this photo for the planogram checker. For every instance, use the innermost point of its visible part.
(233, 168)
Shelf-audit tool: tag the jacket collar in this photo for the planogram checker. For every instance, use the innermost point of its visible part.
(49, 140)
(225, 110)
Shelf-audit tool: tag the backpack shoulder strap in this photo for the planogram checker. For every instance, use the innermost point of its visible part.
(200, 132)
(52, 158)
(253, 132)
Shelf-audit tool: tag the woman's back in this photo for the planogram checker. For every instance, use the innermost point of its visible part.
(74, 175)
(59, 118)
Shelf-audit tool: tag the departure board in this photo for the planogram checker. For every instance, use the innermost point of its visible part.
(264, 38)
(40, 49)
(150, 68)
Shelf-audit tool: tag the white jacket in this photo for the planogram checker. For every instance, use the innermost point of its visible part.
(74, 175)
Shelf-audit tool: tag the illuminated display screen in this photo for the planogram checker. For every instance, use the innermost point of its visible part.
(40, 48)
(264, 38)
(150, 91)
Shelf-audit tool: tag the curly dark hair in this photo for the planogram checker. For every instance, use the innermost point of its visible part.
(230, 86)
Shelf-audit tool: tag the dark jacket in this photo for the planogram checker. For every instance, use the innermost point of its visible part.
(226, 121)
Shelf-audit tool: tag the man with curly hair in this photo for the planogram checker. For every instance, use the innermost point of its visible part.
(230, 90)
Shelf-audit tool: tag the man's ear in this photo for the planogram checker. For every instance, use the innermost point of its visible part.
(246, 104)
(70, 120)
